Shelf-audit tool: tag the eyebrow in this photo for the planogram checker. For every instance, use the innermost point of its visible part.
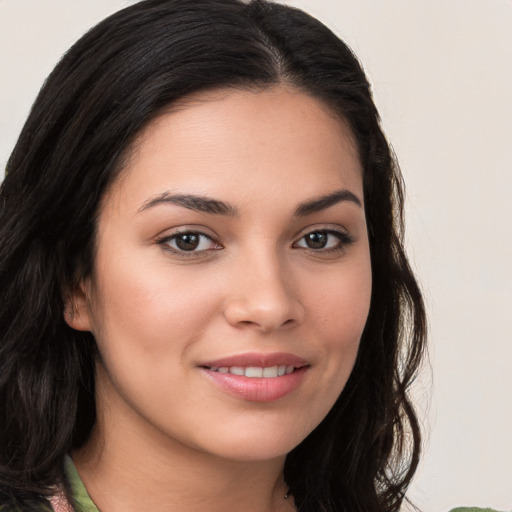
(192, 202)
(216, 207)
(324, 202)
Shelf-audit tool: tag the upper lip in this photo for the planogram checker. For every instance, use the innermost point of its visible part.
(257, 360)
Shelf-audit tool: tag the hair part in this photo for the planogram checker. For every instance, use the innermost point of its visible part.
(115, 80)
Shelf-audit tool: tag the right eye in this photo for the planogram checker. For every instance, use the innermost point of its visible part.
(188, 242)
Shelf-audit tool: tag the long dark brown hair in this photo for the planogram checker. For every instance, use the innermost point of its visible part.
(107, 87)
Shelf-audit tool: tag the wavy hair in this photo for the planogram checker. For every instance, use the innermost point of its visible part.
(117, 78)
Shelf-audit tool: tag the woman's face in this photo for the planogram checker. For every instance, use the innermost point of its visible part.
(233, 243)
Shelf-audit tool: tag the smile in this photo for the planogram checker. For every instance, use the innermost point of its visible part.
(257, 377)
(255, 371)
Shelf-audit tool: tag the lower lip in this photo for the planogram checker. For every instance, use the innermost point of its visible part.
(256, 389)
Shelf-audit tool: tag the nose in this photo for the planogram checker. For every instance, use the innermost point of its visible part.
(263, 296)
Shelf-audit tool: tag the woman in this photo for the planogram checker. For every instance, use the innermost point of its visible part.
(206, 301)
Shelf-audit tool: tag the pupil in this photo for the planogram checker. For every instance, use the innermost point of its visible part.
(187, 241)
(316, 240)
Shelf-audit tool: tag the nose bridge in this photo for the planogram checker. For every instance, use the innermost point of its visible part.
(262, 292)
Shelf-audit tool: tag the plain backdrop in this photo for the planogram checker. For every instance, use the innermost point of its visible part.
(442, 77)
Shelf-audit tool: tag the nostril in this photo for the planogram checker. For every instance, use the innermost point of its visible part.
(246, 322)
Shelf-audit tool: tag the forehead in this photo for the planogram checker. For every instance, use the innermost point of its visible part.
(243, 143)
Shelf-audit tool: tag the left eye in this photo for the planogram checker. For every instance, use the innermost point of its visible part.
(318, 240)
(189, 241)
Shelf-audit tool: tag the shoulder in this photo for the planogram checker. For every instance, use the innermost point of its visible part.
(473, 509)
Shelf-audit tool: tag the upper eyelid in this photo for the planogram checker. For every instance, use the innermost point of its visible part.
(178, 233)
(326, 229)
(342, 234)
(170, 233)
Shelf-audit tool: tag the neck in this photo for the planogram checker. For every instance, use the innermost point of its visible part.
(124, 471)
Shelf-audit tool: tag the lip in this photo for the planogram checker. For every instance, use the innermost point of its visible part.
(257, 389)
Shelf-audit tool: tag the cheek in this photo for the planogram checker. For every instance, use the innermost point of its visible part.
(343, 303)
(146, 322)
(342, 308)
(149, 308)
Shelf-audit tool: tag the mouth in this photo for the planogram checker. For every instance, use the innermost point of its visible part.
(257, 377)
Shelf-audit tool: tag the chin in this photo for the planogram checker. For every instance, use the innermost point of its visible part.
(260, 444)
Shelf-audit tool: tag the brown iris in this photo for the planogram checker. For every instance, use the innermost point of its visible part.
(317, 240)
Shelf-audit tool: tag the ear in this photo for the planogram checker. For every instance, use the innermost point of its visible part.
(77, 310)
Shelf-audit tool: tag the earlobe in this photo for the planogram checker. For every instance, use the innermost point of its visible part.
(76, 309)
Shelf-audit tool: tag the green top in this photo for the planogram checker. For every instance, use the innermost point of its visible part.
(84, 503)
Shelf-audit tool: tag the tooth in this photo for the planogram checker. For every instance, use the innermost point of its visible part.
(271, 371)
(253, 371)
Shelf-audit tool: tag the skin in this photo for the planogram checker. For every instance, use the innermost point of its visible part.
(165, 432)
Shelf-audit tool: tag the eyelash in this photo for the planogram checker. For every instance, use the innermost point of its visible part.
(343, 241)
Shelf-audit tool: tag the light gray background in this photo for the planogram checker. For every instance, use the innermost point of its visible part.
(442, 76)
